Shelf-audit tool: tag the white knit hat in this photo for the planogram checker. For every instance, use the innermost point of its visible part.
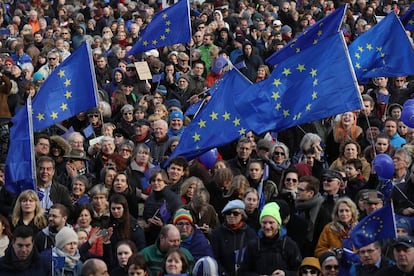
(64, 236)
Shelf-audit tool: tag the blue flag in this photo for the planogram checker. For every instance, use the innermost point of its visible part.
(167, 27)
(218, 115)
(382, 51)
(376, 226)
(70, 89)
(303, 88)
(58, 262)
(407, 19)
(88, 131)
(20, 171)
(164, 213)
(313, 35)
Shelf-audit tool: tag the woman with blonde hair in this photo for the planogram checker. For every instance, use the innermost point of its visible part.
(189, 186)
(344, 219)
(27, 211)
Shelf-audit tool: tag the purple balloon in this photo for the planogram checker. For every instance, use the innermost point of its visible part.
(209, 158)
(383, 166)
(407, 116)
(409, 103)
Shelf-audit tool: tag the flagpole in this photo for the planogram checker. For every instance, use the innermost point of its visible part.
(32, 156)
(91, 67)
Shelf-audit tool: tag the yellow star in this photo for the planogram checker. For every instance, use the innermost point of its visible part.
(358, 66)
(64, 106)
(308, 107)
(379, 49)
(236, 121)
(297, 50)
(202, 123)
(314, 95)
(278, 106)
(275, 95)
(68, 94)
(61, 73)
(168, 23)
(315, 41)
(297, 116)
(410, 22)
(286, 71)
(67, 82)
(164, 15)
(226, 116)
(315, 82)
(382, 55)
(54, 115)
(163, 37)
(357, 55)
(286, 113)
(277, 82)
(320, 32)
(301, 67)
(360, 49)
(40, 116)
(196, 137)
(213, 116)
(242, 131)
(313, 72)
(145, 43)
(154, 42)
(369, 46)
(167, 30)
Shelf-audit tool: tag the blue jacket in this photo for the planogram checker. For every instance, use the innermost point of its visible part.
(198, 245)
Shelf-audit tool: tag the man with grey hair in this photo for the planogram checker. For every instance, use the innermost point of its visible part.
(403, 192)
(107, 156)
(94, 267)
(159, 143)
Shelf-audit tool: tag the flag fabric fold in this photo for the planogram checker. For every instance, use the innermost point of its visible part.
(375, 226)
(303, 88)
(382, 51)
(313, 35)
(167, 27)
(70, 89)
(407, 19)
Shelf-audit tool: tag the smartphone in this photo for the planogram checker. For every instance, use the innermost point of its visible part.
(104, 233)
(156, 214)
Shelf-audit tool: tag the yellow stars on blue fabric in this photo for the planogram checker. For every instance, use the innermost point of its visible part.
(372, 227)
(164, 33)
(55, 110)
(368, 52)
(283, 106)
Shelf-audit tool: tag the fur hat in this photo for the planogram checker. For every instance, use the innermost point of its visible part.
(58, 141)
(64, 236)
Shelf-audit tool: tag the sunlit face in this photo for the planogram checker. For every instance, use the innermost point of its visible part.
(251, 201)
(381, 145)
(125, 152)
(84, 220)
(350, 151)
(279, 155)
(347, 119)
(118, 76)
(255, 171)
(120, 183)
(173, 264)
(190, 190)
(291, 181)
(233, 217)
(344, 213)
(261, 73)
(108, 131)
(22, 247)
(269, 226)
(78, 188)
(82, 237)
(302, 192)
(351, 171)
(46, 171)
(402, 128)
(70, 248)
(175, 173)
(108, 147)
(158, 183)
(123, 253)
(28, 205)
(396, 113)
(244, 150)
(330, 267)
(404, 256)
(99, 202)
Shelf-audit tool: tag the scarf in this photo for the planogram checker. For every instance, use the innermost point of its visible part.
(236, 227)
(16, 263)
(312, 206)
(70, 261)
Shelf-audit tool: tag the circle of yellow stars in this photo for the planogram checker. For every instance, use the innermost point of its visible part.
(276, 94)
(54, 115)
(373, 231)
(368, 49)
(314, 36)
(167, 31)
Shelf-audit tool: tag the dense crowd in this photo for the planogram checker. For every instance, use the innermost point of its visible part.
(275, 203)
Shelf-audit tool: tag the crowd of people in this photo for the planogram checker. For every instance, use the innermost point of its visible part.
(275, 203)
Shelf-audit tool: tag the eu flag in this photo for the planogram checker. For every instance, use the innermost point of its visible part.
(20, 171)
(167, 27)
(303, 88)
(376, 226)
(313, 35)
(70, 89)
(219, 122)
(382, 51)
(407, 19)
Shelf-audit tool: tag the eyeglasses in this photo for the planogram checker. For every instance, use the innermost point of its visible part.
(330, 267)
(279, 153)
(93, 115)
(329, 179)
(294, 180)
(51, 58)
(234, 213)
(128, 113)
(126, 150)
(307, 271)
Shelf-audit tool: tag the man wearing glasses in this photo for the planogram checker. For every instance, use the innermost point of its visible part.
(53, 60)
(371, 260)
(404, 258)
(331, 181)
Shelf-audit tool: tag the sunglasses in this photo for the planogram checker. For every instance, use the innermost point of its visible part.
(234, 213)
(294, 180)
(330, 267)
(118, 135)
(128, 113)
(279, 153)
(307, 271)
(93, 115)
(51, 58)
(329, 179)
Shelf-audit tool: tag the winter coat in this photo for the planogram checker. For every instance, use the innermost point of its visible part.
(197, 244)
